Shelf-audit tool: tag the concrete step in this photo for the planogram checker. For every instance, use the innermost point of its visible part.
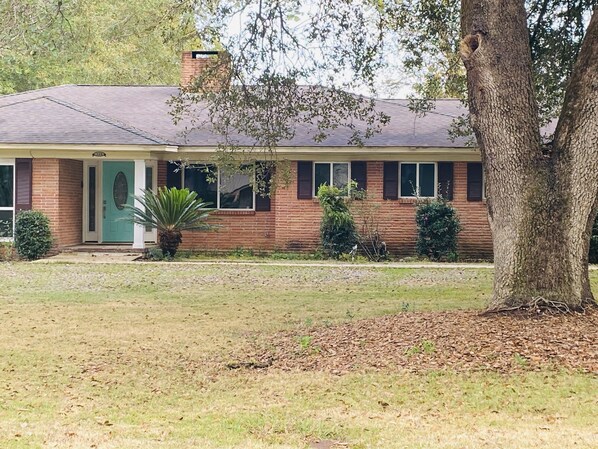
(101, 248)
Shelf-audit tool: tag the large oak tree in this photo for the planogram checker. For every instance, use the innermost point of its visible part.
(517, 64)
(542, 197)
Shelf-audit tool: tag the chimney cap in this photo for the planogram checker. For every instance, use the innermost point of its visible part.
(203, 53)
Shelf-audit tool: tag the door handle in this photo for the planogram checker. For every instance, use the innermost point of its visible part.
(104, 212)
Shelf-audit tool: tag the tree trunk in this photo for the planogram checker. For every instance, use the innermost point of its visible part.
(169, 242)
(542, 198)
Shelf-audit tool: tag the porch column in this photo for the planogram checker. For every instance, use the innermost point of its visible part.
(139, 231)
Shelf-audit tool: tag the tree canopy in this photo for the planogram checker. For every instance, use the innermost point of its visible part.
(342, 45)
(45, 43)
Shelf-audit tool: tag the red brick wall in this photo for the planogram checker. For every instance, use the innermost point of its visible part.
(191, 68)
(57, 192)
(475, 240)
(162, 167)
(297, 222)
(71, 202)
(233, 229)
(293, 225)
(44, 190)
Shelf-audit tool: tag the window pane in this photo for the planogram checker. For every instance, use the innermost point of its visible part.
(92, 199)
(6, 223)
(340, 173)
(408, 179)
(197, 179)
(6, 185)
(322, 176)
(235, 191)
(426, 179)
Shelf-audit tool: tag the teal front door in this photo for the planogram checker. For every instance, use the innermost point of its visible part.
(118, 183)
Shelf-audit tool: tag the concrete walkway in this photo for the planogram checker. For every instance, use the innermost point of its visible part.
(128, 258)
(95, 257)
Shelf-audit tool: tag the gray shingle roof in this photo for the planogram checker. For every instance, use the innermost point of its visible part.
(139, 115)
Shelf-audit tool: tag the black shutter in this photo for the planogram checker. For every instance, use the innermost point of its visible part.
(445, 180)
(474, 181)
(262, 203)
(359, 174)
(391, 181)
(23, 184)
(174, 175)
(304, 180)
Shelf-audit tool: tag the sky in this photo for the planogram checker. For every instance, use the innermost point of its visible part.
(391, 82)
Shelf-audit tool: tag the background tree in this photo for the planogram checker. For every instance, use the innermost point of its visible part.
(45, 43)
(525, 61)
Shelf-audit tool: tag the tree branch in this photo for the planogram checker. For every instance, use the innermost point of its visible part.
(579, 117)
(538, 25)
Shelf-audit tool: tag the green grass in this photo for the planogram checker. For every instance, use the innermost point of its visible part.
(131, 356)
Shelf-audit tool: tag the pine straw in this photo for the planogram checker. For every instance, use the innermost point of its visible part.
(458, 341)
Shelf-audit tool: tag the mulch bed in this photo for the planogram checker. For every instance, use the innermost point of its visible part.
(458, 341)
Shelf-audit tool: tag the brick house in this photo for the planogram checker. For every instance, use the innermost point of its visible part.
(78, 152)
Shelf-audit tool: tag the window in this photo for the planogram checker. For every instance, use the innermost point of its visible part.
(221, 189)
(417, 179)
(476, 186)
(198, 178)
(7, 210)
(330, 173)
(235, 190)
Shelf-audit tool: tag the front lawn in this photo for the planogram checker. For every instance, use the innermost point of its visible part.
(136, 356)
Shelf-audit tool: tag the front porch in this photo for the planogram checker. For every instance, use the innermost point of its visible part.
(85, 202)
(107, 187)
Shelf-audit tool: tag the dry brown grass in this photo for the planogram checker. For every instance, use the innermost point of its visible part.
(106, 357)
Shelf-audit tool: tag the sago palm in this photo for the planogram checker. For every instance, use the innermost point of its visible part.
(171, 211)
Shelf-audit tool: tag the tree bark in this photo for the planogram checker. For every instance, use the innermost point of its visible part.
(542, 198)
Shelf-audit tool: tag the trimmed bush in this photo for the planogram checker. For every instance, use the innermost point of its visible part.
(337, 229)
(33, 238)
(437, 229)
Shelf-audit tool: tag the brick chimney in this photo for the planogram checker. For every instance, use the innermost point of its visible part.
(213, 65)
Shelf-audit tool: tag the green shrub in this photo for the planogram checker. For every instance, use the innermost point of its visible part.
(33, 238)
(437, 229)
(337, 229)
(593, 257)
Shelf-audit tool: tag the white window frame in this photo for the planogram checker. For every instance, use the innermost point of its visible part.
(314, 191)
(11, 162)
(417, 188)
(218, 170)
